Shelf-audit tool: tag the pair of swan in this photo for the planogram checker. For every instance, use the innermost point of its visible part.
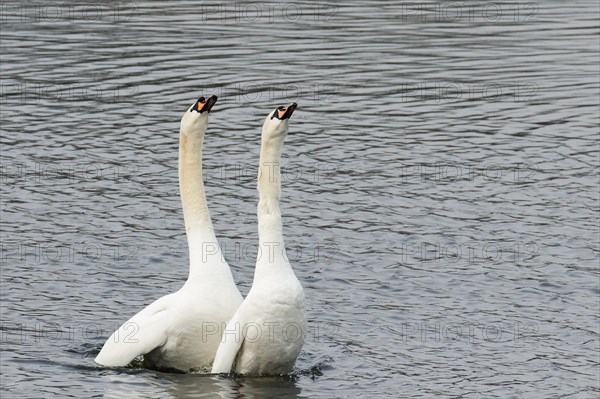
(207, 326)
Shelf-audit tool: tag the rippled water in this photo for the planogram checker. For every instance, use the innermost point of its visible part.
(440, 197)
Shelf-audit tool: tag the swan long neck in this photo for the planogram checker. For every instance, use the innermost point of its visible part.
(198, 224)
(270, 230)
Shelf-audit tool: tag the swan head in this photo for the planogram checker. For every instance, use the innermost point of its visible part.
(277, 122)
(195, 118)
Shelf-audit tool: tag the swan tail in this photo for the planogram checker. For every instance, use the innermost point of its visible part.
(137, 336)
(231, 342)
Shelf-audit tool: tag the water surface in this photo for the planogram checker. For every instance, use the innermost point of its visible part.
(440, 192)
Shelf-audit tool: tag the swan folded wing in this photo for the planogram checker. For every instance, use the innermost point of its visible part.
(137, 336)
(232, 340)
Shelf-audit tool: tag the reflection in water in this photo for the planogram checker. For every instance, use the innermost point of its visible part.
(199, 386)
(440, 189)
(186, 387)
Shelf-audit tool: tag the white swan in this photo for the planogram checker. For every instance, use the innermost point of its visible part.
(183, 330)
(265, 335)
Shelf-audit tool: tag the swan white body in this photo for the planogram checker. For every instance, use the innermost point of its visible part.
(183, 330)
(266, 334)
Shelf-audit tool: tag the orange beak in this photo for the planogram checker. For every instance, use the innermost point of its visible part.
(285, 112)
(205, 104)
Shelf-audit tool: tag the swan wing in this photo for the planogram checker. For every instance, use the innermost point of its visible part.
(232, 340)
(137, 336)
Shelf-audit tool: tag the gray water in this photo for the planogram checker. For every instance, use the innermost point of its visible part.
(440, 191)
